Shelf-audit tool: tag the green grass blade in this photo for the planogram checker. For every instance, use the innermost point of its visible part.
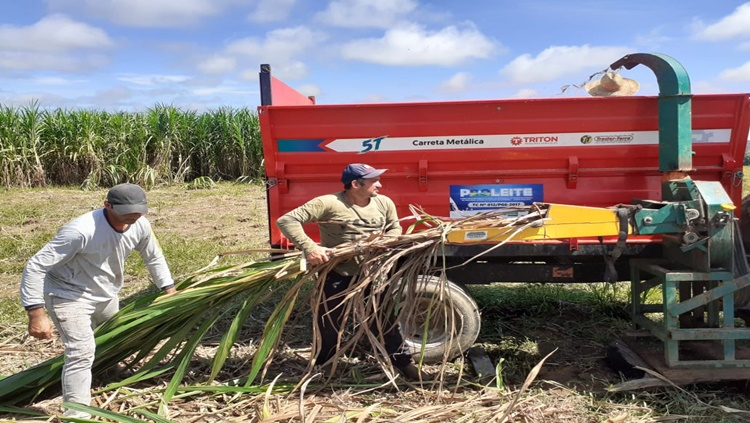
(153, 416)
(138, 377)
(30, 382)
(233, 332)
(22, 411)
(99, 412)
(272, 332)
(175, 340)
(230, 337)
(184, 361)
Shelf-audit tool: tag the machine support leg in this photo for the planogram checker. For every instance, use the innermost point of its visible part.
(696, 306)
(671, 321)
(729, 346)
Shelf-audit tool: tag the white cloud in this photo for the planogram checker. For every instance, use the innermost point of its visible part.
(223, 89)
(27, 98)
(653, 39)
(147, 80)
(279, 48)
(54, 80)
(283, 42)
(291, 71)
(740, 74)
(109, 96)
(560, 61)
(526, 93)
(272, 10)
(287, 71)
(456, 83)
(375, 98)
(707, 87)
(309, 90)
(736, 24)
(31, 61)
(366, 13)
(251, 75)
(413, 45)
(217, 65)
(53, 34)
(145, 13)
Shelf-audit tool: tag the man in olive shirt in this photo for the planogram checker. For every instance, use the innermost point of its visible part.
(365, 213)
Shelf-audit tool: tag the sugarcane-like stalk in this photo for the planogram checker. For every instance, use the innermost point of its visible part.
(161, 332)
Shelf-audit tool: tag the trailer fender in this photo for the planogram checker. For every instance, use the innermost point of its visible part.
(438, 343)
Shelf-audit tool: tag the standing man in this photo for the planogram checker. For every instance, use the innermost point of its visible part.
(364, 212)
(78, 275)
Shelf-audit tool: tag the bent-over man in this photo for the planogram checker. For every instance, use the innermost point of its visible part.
(77, 277)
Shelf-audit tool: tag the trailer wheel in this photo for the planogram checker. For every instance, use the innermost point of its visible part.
(438, 344)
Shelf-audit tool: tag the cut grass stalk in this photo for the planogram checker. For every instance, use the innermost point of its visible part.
(387, 284)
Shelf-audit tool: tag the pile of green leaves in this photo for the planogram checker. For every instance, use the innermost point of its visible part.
(157, 334)
(154, 326)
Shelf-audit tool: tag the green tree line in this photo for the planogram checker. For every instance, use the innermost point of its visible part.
(92, 148)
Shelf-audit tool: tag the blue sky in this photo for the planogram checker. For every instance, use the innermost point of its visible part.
(202, 54)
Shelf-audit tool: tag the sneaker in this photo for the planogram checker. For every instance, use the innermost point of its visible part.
(412, 373)
(73, 414)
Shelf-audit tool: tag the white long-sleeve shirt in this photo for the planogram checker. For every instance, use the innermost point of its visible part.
(86, 260)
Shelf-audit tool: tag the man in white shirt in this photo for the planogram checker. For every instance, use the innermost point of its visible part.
(78, 275)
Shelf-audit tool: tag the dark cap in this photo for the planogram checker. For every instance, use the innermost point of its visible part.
(127, 199)
(360, 170)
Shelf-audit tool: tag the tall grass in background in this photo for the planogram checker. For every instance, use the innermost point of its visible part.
(97, 148)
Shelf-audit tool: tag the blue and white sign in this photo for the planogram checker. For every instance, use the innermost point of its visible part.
(467, 200)
(475, 142)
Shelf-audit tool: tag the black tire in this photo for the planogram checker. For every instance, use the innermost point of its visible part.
(439, 345)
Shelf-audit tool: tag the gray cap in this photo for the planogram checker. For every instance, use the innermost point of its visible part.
(127, 199)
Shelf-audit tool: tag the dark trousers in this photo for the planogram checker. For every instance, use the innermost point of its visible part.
(329, 324)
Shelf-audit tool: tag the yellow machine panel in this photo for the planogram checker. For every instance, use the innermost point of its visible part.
(560, 222)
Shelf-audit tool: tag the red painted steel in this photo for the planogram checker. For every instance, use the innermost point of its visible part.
(583, 174)
(288, 96)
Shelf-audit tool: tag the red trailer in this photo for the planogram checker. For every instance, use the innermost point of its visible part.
(588, 151)
(580, 151)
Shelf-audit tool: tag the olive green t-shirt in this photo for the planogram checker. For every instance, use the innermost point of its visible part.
(340, 222)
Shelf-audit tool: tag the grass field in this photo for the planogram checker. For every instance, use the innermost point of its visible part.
(521, 324)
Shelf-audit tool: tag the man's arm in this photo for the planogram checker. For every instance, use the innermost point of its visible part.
(153, 258)
(392, 225)
(63, 247)
(291, 223)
